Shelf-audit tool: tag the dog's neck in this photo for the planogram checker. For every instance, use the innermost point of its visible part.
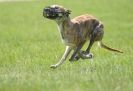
(62, 24)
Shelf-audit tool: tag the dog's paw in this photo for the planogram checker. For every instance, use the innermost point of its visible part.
(85, 55)
(53, 66)
(76, 58)
(89, 55)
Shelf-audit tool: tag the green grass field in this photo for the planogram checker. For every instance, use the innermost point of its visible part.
(29, 44)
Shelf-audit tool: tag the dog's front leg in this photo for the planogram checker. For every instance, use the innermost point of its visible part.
(66, 53)
(75, 56)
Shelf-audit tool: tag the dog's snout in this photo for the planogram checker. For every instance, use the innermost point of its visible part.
(45, 11)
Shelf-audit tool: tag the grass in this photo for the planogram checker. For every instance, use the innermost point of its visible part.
(29, 44)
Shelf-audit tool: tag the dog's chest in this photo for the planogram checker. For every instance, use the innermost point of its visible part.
(69, 36)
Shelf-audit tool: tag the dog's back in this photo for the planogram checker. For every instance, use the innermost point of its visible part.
(86, 23)
(83, 18)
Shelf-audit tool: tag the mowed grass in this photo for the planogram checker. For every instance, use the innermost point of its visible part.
(29, 44)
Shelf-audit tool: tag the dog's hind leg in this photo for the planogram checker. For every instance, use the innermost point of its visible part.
(86, 54)
(96, 35)
(76, 54)
(66, 53)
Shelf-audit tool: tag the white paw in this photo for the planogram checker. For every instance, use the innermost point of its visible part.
(53, 66)
(89, 56)
(86, 55)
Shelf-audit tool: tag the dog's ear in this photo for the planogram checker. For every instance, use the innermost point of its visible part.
(68, 11)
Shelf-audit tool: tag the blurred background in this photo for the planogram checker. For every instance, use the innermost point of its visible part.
(29, 44)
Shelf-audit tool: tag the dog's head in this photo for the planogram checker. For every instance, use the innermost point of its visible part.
(55, 12)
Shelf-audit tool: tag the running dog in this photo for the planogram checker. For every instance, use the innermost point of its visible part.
(75, 32)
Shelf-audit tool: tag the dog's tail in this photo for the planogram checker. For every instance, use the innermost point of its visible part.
(108, 48)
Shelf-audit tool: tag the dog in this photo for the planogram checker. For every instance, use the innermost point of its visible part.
(75, 32)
